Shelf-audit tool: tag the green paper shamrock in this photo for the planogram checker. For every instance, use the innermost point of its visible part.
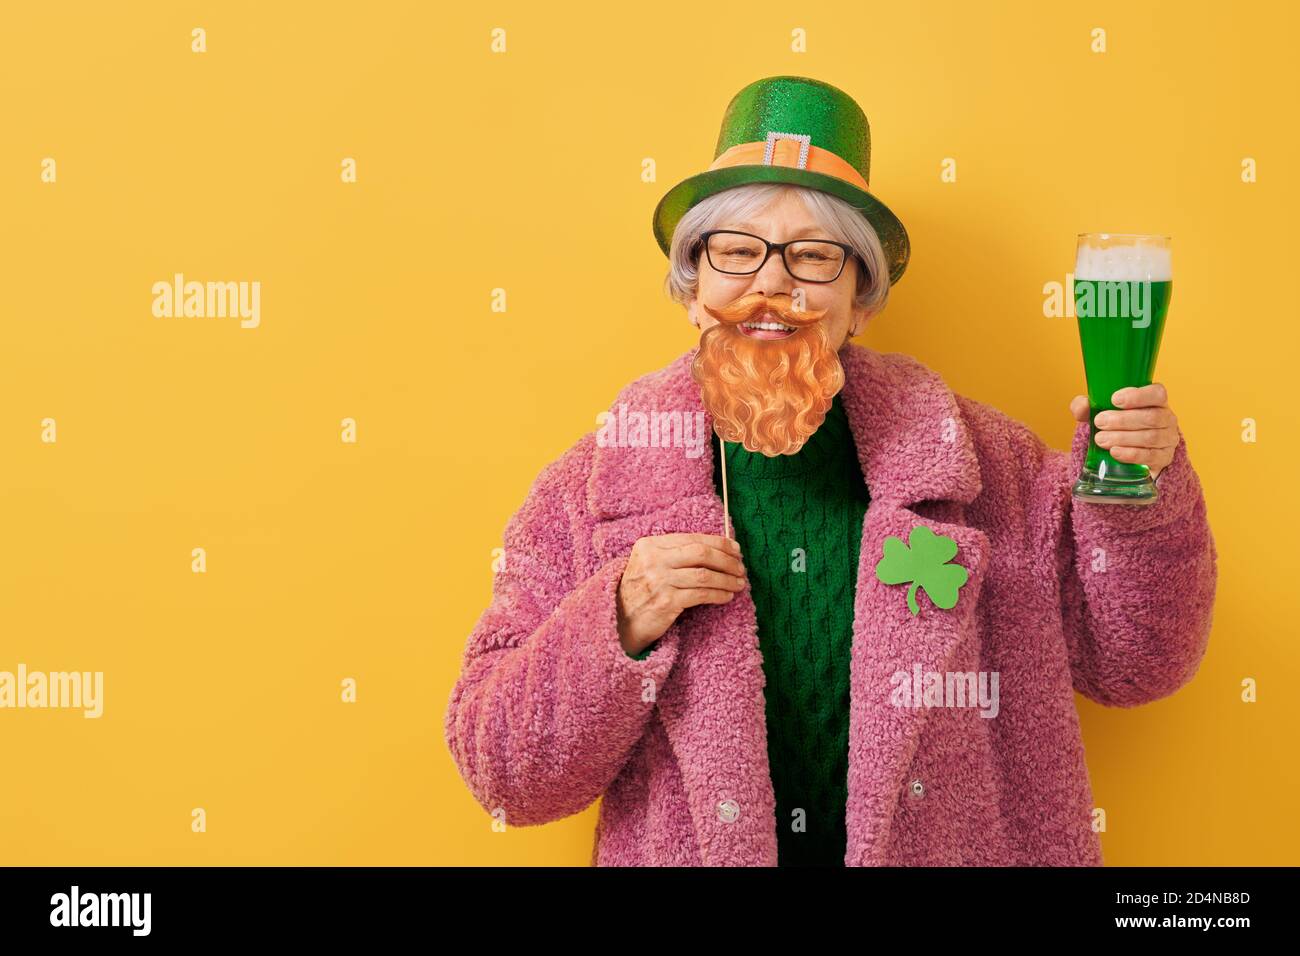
(925, 565)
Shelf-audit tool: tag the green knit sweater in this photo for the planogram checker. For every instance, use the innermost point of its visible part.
(798, 519)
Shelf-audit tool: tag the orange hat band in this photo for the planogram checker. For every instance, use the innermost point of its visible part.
(789, 149)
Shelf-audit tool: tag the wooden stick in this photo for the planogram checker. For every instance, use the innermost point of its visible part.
(726, 510)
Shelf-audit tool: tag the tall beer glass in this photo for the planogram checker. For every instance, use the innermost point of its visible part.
(1122, 285)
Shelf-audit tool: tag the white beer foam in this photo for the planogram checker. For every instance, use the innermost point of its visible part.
(1135, 263)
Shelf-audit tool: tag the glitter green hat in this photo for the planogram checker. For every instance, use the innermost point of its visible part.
(791, 129)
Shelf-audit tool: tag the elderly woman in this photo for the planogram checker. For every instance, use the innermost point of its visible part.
(772, 693)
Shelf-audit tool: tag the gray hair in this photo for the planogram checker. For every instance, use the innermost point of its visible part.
(841, 220)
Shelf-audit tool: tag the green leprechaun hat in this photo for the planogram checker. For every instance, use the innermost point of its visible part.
(791, 129)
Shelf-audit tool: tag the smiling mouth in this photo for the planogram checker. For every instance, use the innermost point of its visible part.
(766, 327)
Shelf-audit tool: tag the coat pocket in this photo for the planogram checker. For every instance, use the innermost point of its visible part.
(949, 812)
(614, 537)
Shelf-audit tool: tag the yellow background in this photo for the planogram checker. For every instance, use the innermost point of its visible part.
(522, 171)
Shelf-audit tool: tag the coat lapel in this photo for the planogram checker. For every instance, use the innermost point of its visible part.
(916, 456)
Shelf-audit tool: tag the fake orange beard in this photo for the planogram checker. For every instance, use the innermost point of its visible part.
(768, 394)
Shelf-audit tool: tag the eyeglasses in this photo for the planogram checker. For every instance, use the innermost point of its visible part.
(742, 254)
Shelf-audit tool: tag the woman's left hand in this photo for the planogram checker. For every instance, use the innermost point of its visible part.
(1141, 429)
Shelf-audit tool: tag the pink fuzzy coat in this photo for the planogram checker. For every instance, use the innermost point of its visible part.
(1112, 601)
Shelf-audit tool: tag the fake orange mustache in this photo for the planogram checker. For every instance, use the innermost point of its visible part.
(749, 307)
(768, 391)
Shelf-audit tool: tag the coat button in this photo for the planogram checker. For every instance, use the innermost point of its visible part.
(728, 811)
(917, 788)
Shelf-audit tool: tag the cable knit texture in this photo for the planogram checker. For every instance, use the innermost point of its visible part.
(1112, 601)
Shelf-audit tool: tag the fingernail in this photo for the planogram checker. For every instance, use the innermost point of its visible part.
(1120, 397)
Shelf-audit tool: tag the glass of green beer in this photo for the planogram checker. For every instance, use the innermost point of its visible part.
(1122, 284)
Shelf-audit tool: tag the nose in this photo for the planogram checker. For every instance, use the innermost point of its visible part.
(772, 277)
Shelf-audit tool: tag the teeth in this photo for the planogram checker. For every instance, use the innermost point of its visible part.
(769, 326)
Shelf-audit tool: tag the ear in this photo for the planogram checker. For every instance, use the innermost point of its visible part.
(860, 314)
(858, 323)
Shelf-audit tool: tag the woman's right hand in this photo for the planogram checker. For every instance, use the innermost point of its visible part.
(668, 573)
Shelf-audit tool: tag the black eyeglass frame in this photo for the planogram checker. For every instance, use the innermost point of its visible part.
(778, 247)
